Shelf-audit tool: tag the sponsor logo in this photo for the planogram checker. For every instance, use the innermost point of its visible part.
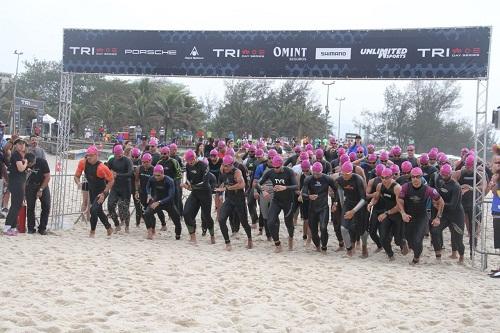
(386, 53)
(194, 55)
(292, 53)
(98, 51)
(333, 53)
(453, 52)
(150, 52)
(239, 53)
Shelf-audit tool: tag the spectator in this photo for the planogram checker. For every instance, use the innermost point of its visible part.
(357, 143)
(35, 149)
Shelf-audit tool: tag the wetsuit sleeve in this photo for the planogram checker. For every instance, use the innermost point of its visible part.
(170, 192)
(104, 172)
(293, 180)
(177, 169)
(264, 177)
(149, 185)
(288, 161)
(332, 183)
(404, 190)
(305, 187)
(80, 168)
(432, 193)
(128, 173)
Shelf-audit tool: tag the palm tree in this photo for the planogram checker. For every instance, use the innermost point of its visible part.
(143, 97)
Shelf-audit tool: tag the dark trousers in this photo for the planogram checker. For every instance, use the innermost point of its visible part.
(274, 222)
(144, 202)
(16, 202)
(415, 232)
(375, 227)
(319, 218)
(138, 210)
(171, 208)
(390, 227)
(196, 200)
(96, 212)
(31, 192)
(230, 208)
(120, 197)
(336, 219)
(252, 206)
(455, 222)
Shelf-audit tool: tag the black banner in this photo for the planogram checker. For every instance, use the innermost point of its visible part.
(459, 53)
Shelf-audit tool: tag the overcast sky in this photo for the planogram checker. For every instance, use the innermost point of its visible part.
(36, 28)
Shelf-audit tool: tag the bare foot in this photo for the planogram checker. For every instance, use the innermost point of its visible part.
(278, 249)
(461, 260)
(378, 249)
(323, 252)
(192, 238)
(350, 253)
(118, 228)
(212, 239)
(404, 249)
(358, 245)
(249, 244)
(308, 242)
(364, 252)
(392, 258)
(317, 249)
(290, 244)
(109, 231)
(340, 249)
(414, 262)
(126, 230)
(269, 239)
(228, 247)
(163, 228)
(92, 234)
(453, 255)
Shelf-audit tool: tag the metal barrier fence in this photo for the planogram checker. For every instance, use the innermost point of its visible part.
(485, 246)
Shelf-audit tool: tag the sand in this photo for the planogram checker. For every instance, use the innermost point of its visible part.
(70, 283)
(66, 282)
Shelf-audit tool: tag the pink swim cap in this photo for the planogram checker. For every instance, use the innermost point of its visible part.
(443, 158)
(352, 156)
(277, 161)
(259, 153)
(309, 146)
(378, 169)
(158, 169)
(340, 151)
(396, 150)
(360, 150)
(304, 156)
(92, 150)
(445, 170)
(214, 152)
(221, 144)
(433, 155)
(317, 167)
(384, 156)
(305, 165)
(230, 151)
(118, 150)
(228, 160)
(246, 146)
(252, 148)
(319, 154)
(416, 172)
(165, 150)
(347, 167)
(173, 146)
(204, 161)
(372, 158)
(343, 158)
(135, 152)
(189, 155)
(469, 161)
(424, 158)
(370, 147)
(406, 166)
(271, 153)
(394, 169)
(464, 151)
(146, 157)
(387, 172)
(297, 149)
(153, 142)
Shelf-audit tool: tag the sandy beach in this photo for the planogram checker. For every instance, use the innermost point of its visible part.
(69, 283)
